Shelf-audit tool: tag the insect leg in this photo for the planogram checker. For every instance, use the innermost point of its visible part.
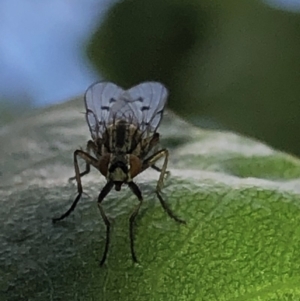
(106, 189)
(156, 168)
(135, 189)
(160, 170)
(90, 145)
(150, 162)
(90, 160)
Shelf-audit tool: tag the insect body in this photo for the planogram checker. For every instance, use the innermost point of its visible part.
(123, 126)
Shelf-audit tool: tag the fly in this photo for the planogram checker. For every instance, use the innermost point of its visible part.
(123, 126)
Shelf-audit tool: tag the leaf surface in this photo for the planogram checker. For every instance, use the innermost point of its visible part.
(239, 197)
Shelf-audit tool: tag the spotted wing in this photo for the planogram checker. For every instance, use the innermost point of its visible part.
(99, 98)
(142, 104)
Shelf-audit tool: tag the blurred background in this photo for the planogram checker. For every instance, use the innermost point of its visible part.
(229, 65)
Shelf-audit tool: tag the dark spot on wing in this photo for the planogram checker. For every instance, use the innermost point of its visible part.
(105, 108)
(112, 100)
(145, 108)
(140, 99)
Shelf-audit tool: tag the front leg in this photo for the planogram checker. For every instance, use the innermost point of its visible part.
(89, 160)
(104, 192)
(135, 189)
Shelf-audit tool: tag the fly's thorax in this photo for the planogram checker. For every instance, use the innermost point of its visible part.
(120, 167)
(122, 137)
(121, 152)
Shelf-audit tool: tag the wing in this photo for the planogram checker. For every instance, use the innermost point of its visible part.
(143, 105)
(99, 98)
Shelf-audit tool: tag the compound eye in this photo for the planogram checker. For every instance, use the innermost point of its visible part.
(135, 166)
(103, 164)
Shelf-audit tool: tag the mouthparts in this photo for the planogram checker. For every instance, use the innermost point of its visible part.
(118, 185)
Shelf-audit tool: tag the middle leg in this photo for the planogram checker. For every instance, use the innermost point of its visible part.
(149, 163)
(90, 146)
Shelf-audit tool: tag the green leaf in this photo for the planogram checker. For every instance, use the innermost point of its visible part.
(239, 197)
